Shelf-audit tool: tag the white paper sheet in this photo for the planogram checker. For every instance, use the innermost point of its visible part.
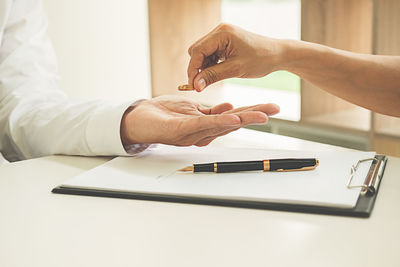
(155, 171)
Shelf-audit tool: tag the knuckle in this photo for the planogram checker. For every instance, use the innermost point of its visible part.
(210, 76)
(190, 49)
(225, 27)
(203, 143)
(193, 50)
(186, 143)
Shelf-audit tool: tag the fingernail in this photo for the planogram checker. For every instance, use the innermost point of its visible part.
(201, 83)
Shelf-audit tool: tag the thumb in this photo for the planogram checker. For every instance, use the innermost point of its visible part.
(218, 72)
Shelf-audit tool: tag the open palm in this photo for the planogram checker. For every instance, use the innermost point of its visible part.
(180, 121)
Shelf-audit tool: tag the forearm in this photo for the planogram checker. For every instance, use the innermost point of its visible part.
(370, 81)
(37, 127)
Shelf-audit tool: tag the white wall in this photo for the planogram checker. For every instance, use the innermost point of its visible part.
(102, 47)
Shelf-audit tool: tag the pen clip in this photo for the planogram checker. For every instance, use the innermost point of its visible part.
(308, 168)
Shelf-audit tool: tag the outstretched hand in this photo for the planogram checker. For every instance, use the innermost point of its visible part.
(175, 120)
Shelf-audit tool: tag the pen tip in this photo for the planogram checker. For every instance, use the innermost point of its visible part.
(186, 169)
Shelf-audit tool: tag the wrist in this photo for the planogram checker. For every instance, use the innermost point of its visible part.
(127, 127)
(289, 52)
(278, 54)
(302, 58)
(124, 131)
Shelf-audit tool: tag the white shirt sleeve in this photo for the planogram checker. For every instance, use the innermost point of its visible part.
(36, 117)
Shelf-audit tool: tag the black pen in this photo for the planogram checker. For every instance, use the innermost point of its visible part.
(258, 165)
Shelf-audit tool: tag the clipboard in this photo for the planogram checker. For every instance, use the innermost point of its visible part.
(363, 208)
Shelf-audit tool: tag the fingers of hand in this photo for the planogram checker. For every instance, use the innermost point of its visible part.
(191, 130)
(224, 70)
(206, 52)
(218, 109)
(200, 123)
(199, 53)
(195, 63)
(257, 114)
(207, 128)
(252, 117)
(269, 109)
(208, 44)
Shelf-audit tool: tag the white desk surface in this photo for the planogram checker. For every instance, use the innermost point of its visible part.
(38, 228)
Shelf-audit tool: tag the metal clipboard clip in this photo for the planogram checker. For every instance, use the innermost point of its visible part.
(374, 175)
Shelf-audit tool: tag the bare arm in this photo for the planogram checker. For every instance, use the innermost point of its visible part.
(370, 81)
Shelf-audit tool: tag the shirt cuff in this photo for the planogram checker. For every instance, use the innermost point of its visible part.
(135, 148)
(103, 131)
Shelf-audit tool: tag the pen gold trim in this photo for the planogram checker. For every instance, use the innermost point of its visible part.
(266, 165)
(187, 169)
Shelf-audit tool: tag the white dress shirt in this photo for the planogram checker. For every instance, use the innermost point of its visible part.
(36, 117)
